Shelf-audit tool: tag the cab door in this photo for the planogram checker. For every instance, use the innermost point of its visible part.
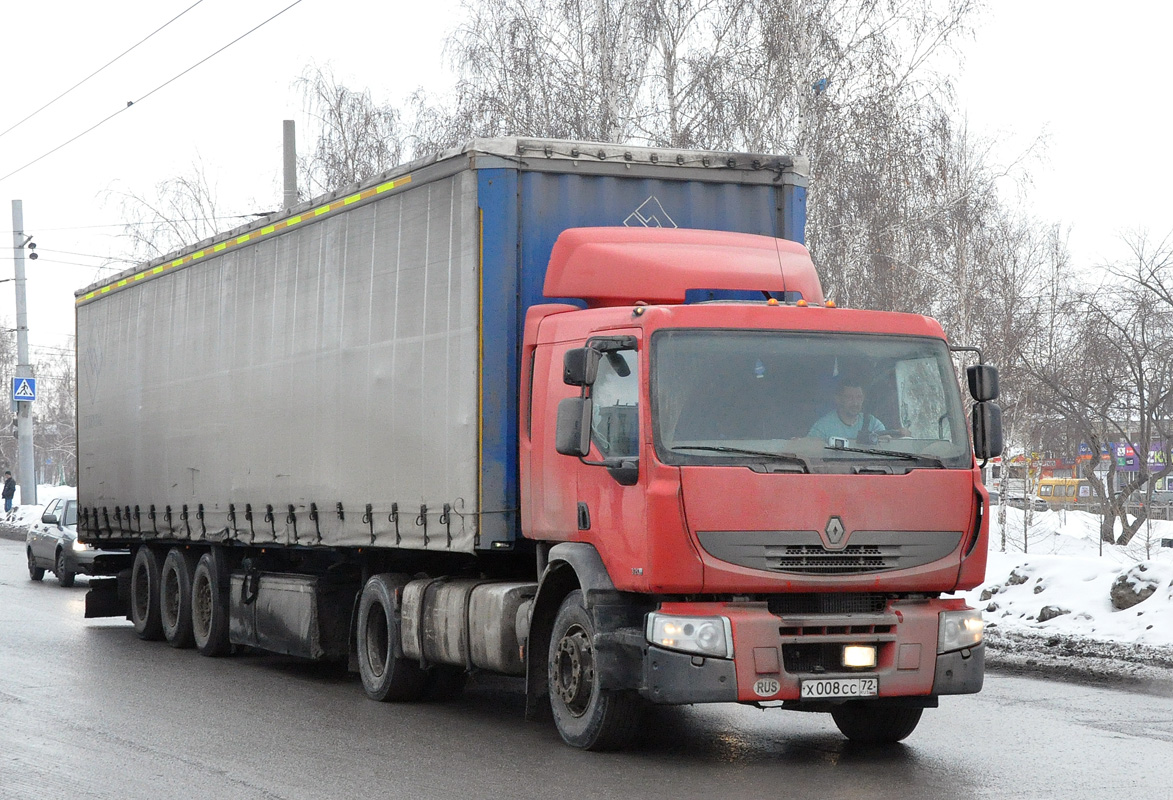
(612, 500)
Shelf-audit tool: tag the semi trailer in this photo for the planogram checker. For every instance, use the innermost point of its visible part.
(572, 412)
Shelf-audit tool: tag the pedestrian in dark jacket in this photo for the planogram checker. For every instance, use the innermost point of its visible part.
(9, 491)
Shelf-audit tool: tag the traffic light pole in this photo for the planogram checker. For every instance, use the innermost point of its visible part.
(26, 465)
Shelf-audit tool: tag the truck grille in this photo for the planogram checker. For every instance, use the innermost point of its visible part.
(811, 558)
(811, 603)
(803, 553)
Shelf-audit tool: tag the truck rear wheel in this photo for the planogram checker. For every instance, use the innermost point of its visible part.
(386, 674)
(144, 595)
(209, 607)
(872, 724)
(175, 597)
(585, 715)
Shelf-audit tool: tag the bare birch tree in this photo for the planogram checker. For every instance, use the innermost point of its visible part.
(355, 137)
(180, 211)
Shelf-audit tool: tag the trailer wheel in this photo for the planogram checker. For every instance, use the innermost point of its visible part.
(386, 674)
(871, 724)
(209, 608)
(35, 572)
(144, 595)
(175, 597)
(64, 577)
(585, 715)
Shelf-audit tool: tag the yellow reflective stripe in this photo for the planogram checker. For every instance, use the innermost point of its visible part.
(328, 208)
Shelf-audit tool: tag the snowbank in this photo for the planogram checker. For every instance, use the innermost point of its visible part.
(22, 516)
(1063, 583)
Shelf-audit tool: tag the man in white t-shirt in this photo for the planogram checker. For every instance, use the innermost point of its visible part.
(848, 421)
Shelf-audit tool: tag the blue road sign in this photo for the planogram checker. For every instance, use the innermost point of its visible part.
(24, 389)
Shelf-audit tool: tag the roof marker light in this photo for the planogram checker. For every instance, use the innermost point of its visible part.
(801, 303)
(830, 304)
(773, 301)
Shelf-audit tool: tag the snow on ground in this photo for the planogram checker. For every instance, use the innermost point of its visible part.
(1065, 569)
(22, 516)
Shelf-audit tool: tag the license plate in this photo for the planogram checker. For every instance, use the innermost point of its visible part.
(840, 687)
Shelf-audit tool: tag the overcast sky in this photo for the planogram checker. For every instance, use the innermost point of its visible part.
(1091, 79)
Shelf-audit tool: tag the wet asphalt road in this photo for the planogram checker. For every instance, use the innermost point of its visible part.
(88, 710)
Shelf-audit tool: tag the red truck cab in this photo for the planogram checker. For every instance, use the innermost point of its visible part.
(748, 500)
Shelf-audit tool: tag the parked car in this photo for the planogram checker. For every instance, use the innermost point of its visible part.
(51, 544)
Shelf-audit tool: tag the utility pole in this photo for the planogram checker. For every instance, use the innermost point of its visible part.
(289, 162)
(26, 464)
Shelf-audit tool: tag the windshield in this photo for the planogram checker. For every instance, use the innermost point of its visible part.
(796, 401)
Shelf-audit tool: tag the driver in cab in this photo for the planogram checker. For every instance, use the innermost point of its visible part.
(848, 420)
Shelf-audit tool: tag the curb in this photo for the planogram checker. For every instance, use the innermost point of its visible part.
(1121, 665)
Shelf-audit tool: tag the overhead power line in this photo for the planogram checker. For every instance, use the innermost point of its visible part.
(166, 83)
(99, 69)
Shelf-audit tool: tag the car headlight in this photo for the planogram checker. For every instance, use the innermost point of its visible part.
(957, 630)
(79, 547)
(707, 636)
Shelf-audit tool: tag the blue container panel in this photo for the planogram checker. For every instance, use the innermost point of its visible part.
(551, 203)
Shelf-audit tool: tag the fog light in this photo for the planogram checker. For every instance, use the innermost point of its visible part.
(859, 655)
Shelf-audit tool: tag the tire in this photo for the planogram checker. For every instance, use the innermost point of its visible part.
(445, 682)
(35, 572)
(586, 716)
(209, 607)
(871, 724)
(144, 595)
(175, 597)
(64, 577)
(386, 675)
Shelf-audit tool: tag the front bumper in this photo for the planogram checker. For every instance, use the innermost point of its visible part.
(97, 562)
(774, 654)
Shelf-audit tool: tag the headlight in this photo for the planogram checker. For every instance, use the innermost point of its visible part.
(79, 547)
(708, 636)
(959, 629)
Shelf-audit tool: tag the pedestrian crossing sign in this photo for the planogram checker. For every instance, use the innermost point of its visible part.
(24, 389)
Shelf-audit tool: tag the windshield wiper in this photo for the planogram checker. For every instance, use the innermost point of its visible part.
(789, 458)
(891, 454)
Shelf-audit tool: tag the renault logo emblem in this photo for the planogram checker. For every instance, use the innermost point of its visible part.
(835, 530)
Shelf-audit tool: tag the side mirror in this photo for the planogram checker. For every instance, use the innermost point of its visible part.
(580, 366)
(987, 430)
(50, 519)
(983, 382)
(572, 437)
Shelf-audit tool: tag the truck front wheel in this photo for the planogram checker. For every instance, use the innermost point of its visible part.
(144, 595)
(872, 724)
(386, 674)
(586, 716)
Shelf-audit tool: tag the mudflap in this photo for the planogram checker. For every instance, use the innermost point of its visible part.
(109, 597)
